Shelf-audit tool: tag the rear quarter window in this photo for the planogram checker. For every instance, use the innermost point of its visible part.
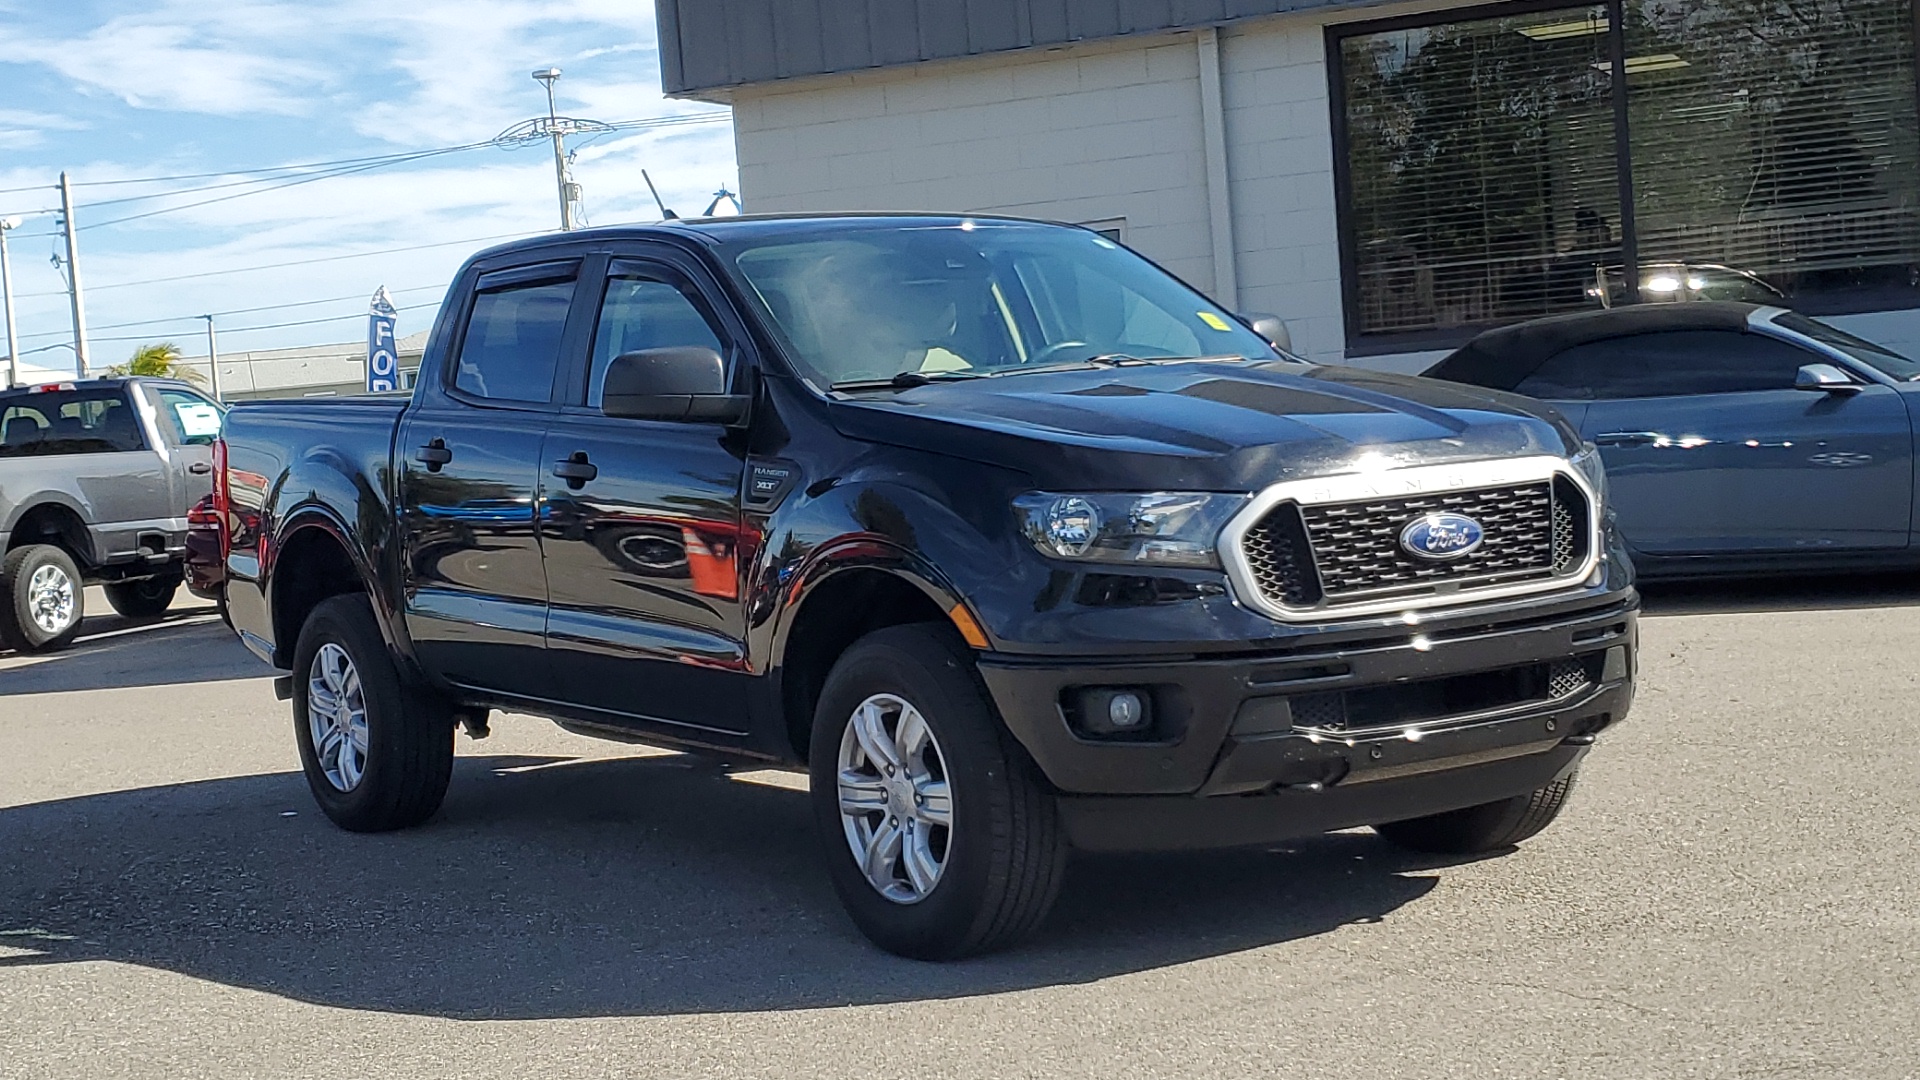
(69, 422)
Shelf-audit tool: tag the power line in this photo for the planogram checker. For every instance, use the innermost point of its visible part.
(235, 311)
(339, 168)
(291, 262)
(350, 166)
(256, 191)
(225, 330)
(623, 125)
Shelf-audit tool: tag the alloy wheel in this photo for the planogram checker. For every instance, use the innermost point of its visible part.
(50, 599)
(337, 717)
(895, 805)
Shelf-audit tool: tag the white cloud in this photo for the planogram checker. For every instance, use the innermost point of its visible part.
(226, 59)
(427, 73)
(21, 128)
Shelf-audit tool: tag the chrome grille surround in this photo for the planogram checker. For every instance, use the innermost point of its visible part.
(1403, 484)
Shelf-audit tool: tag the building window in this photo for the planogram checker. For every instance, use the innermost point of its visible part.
(1114, 229)
(1773, 153)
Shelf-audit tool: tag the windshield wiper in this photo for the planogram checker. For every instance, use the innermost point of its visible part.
(906, 380)
(1108, 360)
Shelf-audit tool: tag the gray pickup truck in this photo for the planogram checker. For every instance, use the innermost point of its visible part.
(96, 477)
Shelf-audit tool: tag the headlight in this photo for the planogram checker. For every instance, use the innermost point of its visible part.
(1163, 528)
(1590, 466)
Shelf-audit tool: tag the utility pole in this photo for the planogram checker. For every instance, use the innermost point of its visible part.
(73, 277)
(6, 292)
(556, 128)
(547, 77)
(213, 358)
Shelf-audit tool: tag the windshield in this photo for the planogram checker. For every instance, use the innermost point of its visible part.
(1878, 357)
(978, 298)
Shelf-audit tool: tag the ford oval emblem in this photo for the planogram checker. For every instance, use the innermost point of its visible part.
(1439, 537)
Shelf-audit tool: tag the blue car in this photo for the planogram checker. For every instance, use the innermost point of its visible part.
(1738, 438)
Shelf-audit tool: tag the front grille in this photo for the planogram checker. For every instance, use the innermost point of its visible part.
(1349, 552)
(1429, 700)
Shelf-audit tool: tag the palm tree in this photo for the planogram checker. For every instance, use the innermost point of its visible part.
(160, 361)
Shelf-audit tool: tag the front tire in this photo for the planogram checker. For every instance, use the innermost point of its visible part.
(42, 599)
(148, 598)
(377, 753)
(1477, 830)
(940, 836)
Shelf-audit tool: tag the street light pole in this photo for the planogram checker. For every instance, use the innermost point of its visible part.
(6, 292)
(73, 278)
(213, 358)
(548, 76)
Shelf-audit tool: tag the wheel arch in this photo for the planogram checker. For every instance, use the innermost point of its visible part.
(315, 559)
(843, 594)
(52, 518)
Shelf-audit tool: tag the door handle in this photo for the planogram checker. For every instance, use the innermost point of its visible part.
(200, 468)
(576, 470)
(433, 455)
(1628, 438)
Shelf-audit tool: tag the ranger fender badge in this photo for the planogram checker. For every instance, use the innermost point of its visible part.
(768, 483)
(1440, 537)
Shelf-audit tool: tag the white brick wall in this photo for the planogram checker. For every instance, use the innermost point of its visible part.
(1280, 176)
(1079, 134)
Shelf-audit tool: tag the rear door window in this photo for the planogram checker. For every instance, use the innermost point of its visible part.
(511, 349)
(69, 422)
(1668, 365)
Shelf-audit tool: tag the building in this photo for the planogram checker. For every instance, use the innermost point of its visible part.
(304, 371)
(1386, 177)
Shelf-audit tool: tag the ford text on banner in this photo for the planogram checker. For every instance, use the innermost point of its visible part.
(383, 365)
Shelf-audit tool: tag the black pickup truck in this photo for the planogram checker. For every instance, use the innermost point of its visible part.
(1013, 540)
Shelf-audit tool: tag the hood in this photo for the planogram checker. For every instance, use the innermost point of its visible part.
(1235, 426)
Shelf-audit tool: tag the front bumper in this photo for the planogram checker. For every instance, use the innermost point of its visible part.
(1420, 716)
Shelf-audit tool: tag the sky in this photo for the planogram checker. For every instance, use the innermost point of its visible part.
(122, 91)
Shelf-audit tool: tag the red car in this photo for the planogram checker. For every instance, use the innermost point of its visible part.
(206, 569)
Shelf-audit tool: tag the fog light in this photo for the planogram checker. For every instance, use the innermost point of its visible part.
(1113, 710)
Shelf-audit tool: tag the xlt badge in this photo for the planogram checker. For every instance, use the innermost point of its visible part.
(768, 483)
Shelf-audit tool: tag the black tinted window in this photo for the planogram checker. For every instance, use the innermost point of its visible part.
(1669, 364)
(69, 422)
(512, 344)
(642, 312)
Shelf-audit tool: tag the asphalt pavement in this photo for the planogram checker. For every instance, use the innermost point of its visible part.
(1733, 893)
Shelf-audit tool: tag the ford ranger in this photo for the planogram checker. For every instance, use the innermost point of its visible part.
(1012, 540)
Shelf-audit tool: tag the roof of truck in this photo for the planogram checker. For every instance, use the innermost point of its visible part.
(41, 386)
(761, 225)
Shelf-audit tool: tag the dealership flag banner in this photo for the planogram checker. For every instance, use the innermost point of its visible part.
(383, 366)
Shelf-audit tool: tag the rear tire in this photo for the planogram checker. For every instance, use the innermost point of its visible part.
(988, 876)
(148, 598)
(378, 753)
(1477, 830)
(42, 599)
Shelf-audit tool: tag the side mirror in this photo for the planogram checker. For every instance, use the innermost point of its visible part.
(1825, 378)
(1270, 327)
(681, 383)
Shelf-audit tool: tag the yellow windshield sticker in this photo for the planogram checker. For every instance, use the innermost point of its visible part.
(1213, 320)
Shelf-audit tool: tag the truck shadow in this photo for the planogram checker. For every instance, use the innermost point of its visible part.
(188, 645)
(578, 888)
(1781, 593)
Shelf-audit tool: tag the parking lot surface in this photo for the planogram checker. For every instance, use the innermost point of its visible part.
(1733, 893)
